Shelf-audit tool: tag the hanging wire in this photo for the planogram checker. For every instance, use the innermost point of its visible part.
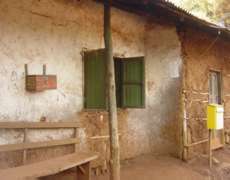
(211, 45)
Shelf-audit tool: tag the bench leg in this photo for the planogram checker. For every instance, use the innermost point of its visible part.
(84, 172)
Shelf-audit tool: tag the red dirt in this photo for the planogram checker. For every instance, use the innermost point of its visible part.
(156, 168)
(149, 167)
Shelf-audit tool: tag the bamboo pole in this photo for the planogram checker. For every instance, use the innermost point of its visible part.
(210, 147)
(112, 108)
(197, 143)
(183, 123)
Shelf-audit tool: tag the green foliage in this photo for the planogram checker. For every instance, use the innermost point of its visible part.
(223, 12)
(212, 10)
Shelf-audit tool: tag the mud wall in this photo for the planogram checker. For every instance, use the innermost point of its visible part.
(55, 32)
(202, 53)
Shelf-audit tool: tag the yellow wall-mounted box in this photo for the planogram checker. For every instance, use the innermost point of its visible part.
(215, 116)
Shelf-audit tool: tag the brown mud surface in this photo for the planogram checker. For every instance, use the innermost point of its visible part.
(149, 167)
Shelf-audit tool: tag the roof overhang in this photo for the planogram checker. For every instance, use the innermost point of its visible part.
(166, 9)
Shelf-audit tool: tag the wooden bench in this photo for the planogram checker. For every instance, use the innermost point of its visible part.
(48, 167)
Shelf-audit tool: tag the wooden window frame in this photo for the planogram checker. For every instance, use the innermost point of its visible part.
(143, 84)
(121, 106)
(220, 86)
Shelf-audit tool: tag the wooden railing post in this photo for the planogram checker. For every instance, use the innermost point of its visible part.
(25, 150)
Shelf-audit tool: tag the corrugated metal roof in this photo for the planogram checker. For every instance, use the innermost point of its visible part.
(179, 13)
(208, 25)
(187, 13)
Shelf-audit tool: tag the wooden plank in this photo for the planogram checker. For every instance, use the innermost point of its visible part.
(197, 143)
(38, 125)
(101, 137)
(34, 145)
(48, 167)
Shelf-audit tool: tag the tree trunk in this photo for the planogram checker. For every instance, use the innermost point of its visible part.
(111, 94)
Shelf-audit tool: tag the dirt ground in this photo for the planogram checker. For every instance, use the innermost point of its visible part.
(150, 167)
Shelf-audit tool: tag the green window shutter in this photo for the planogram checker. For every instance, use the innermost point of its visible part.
(133, 91)
(95, 73)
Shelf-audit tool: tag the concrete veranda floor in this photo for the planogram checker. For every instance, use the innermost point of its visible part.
(150, 167)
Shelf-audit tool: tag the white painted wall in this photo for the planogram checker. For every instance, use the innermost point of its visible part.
(55, 33)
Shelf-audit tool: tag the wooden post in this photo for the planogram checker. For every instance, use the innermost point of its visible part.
(184, 139)
(44, 69)
(112, 107)
(183, 133)
(210, 147)
(25, 150)
(26, 69)
(76, 136)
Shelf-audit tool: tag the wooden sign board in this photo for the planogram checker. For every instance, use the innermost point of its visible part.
(37, 83)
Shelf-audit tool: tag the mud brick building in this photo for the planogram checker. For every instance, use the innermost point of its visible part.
(169, 66)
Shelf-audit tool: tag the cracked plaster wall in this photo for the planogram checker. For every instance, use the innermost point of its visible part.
(55, 32)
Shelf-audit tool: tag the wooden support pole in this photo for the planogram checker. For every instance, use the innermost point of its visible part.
(184, 151)
(210, 147)
(183, 127)
(112, 107)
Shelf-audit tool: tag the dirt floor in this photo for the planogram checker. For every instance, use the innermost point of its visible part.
(149, 167)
